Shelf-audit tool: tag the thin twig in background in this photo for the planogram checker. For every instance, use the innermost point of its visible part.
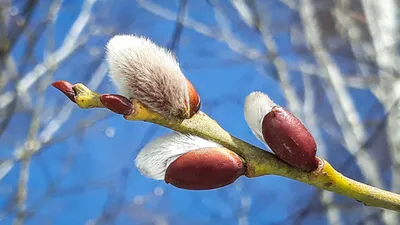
(73, 40)
(344, 109)
(28, 147)
(22, 192)
(383, 24)
(116, 195)
(215, 33)
(326, 198)
(53, 126)
(17, 28)
(176, 36)
(341, 101)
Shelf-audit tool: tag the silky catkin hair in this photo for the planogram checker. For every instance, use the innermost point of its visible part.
(256, 106)
(144, 71)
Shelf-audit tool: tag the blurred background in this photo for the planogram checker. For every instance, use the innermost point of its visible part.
(333, 63)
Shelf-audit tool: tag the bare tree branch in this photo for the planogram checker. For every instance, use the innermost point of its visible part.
(71, 43)
(54, 125)
(176, 37)
(22, 192)
(383, 27)
(326, 198)
(344, 110)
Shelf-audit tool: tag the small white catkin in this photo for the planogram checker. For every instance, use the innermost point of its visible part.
(149, 73)
(154, 159)
(256, 106)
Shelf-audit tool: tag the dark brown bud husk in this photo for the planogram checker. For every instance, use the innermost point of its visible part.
(117, 103)
(66, 88)
(205, 169)
(289, 139)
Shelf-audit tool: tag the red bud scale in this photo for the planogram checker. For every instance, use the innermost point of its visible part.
(205, 168)
(66, 88)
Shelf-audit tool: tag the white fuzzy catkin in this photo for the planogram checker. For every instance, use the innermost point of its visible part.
(256, 106)
(154, 159)
(149, 73)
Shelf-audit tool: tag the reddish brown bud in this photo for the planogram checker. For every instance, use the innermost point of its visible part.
(289, 139)
(117, 103)
(204, 169)
(194, 99)
(66, 88)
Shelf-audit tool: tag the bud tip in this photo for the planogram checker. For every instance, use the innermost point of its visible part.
(66, 88)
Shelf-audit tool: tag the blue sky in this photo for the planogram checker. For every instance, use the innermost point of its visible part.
(93, 171)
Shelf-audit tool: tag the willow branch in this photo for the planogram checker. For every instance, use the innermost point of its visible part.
(258, 161)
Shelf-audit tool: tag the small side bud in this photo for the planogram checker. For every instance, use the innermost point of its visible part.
(66, 88)
(117, 103)
(289, 139)
(150, 74)
(204, 169)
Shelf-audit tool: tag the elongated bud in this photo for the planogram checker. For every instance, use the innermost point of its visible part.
(285, 135)
(189, 162)
(289, 139)
(66, 88)
(150, 74)
(154, 159)
(205, 168)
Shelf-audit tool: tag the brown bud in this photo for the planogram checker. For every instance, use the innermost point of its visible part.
(66, 88)
(117, 103)
(205, 168)
(289, 139)
(194, 99)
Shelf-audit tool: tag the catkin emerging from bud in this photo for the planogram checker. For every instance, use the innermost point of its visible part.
(154, 159)
(285, 135)
(149, 73)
